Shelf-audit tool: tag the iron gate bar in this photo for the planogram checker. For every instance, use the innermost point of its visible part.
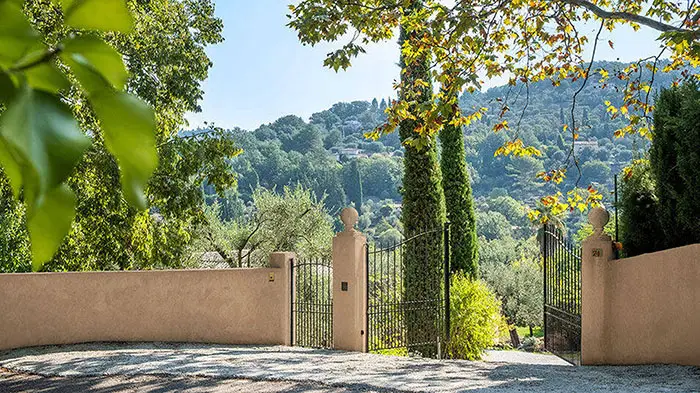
(312, 303)
(291, 302)
(562, 295)
(386, 306)
(366, 332)
(446, 278)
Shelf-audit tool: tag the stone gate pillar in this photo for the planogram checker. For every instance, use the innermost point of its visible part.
(349, 286)
(596, 254)
(283, 261)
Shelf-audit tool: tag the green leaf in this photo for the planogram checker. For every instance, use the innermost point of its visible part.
(16, 34)
(129, 131)
(49, 223)
(89, 55)
(128, 123)
(7, 88)
(47, 77)
(103, 15)
(40, 136)
(12, 169)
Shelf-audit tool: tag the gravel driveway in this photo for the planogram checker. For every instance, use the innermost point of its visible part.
(299, 369)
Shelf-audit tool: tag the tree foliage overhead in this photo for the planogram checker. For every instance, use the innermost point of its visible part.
(524, 41)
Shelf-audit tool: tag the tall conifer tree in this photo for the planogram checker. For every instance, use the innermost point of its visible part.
(458, 199)
(353, 184)
(423, 202)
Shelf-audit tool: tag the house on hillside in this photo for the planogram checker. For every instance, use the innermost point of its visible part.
(347, 153)
(580, 145)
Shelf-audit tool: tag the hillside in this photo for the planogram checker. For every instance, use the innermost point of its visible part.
(316, 152)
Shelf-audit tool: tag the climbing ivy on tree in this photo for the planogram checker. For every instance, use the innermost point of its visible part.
(423, 206)
(41, 142)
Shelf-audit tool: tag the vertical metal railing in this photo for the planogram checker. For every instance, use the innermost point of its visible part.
(388, 308)
(446, 280)
(291, 302)
(562, 294)
(312, 303)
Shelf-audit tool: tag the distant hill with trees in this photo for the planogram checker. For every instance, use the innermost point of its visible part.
(324, 152)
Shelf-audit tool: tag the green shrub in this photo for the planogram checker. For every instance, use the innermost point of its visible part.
(660, 202)
(640, 228)
(518, 283)
(475, 318)
(675, 163)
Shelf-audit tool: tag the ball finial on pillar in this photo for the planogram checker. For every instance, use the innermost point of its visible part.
(598, 217)
(349, 218)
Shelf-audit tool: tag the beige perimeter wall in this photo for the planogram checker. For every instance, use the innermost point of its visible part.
(237, 306)
(649, 309)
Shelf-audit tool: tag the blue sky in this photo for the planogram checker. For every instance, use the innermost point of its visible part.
(261, 72)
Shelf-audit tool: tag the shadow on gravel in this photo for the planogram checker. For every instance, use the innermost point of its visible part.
(627, 379)
(207, 368)
(16, 383)
(20, 383)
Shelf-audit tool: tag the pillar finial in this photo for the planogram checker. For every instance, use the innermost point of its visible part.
(349, 217)
(599, 217)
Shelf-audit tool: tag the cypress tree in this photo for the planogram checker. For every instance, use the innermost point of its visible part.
(353, 184)
(675, 163)
(423, 210)
(459, 202)
(663, 162)
(640, 226)
(689, 164)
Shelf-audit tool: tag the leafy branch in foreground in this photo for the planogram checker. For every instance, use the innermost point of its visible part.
(40, 140)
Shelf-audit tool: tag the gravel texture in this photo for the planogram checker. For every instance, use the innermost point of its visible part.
(14, 382)
(509, 371)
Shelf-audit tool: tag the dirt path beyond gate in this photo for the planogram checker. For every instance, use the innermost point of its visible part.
(195, 368)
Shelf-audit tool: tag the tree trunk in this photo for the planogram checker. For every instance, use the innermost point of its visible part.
(514, 338)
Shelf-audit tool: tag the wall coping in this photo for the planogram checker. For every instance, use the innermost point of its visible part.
(154, 271)
(659, 253)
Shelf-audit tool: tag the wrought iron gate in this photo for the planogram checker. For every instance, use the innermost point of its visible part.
(562, 295)
(408, 307)
(312, 303)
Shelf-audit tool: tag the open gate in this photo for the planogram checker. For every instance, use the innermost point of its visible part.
(408, 307)
(562, 295)
(312, 303)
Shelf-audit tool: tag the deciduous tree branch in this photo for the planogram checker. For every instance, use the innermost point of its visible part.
(628, 16)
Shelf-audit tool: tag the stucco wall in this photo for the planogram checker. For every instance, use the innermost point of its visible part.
(236, 306)
(644, 309)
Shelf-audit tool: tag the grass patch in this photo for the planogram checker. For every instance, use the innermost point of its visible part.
(392, 352)
(524, 331)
